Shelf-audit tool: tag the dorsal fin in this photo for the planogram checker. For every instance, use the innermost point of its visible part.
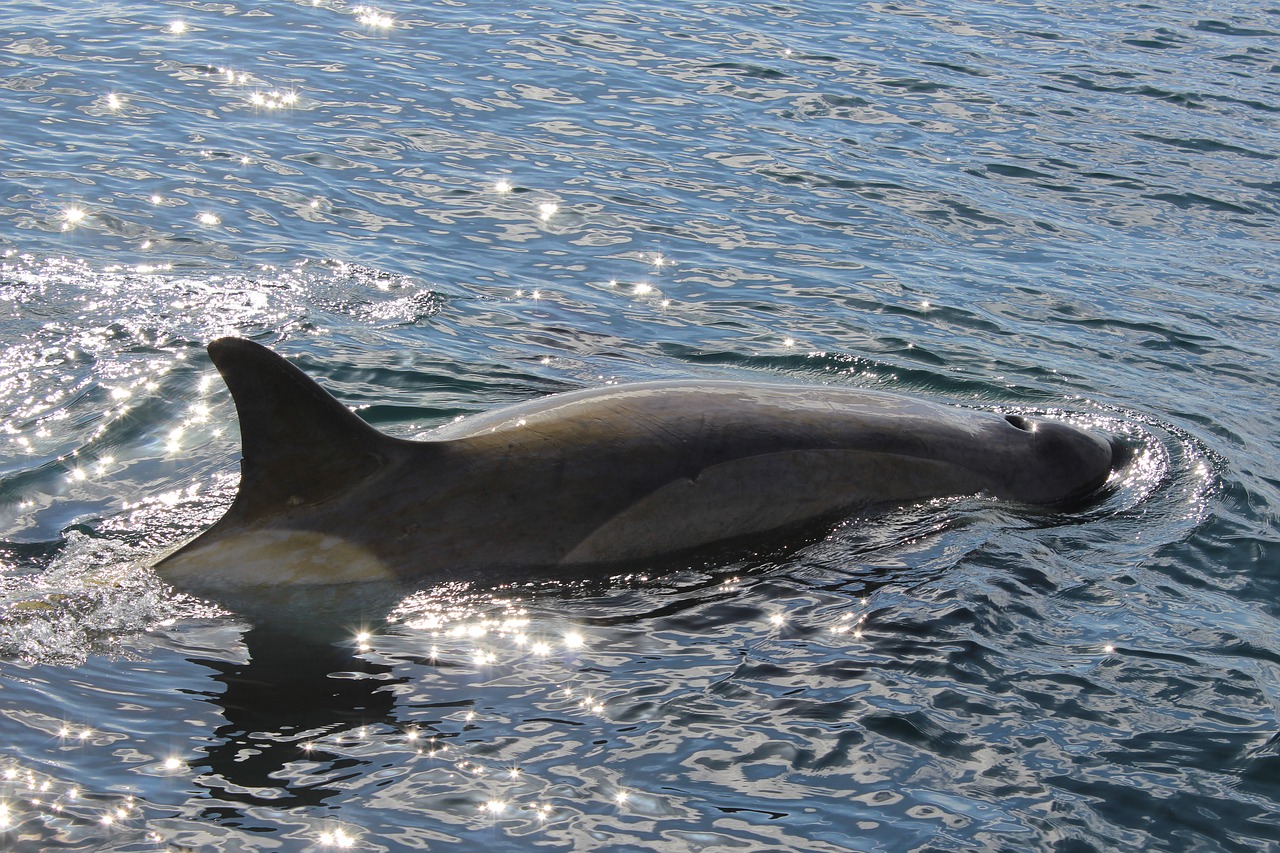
(300, 444)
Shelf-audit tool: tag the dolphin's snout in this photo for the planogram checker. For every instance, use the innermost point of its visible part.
(1121, 452)
(1064, 463)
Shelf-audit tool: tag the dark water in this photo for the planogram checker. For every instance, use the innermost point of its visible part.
(1068, 209)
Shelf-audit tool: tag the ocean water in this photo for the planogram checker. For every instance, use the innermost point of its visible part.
(434, 208)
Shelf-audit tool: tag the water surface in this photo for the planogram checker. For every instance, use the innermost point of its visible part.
(435, 208)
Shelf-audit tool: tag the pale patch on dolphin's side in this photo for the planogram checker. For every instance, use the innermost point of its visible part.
(281, 557)
(313, 584)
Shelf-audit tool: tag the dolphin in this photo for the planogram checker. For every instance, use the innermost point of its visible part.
(597, 477)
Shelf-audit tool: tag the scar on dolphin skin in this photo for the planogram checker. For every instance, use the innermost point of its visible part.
(594, 477)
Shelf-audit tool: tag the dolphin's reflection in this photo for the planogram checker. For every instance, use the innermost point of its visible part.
(288, 696)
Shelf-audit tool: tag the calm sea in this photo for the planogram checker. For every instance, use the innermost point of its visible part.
(434, 208)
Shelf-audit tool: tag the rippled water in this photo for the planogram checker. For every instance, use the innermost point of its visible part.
(439, 207)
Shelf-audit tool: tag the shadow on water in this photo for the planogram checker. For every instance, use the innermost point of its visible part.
(277, 707)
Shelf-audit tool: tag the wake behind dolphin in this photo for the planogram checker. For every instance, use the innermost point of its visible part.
(595, 477)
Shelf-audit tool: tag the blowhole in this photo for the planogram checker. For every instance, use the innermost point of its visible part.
(1019, 421)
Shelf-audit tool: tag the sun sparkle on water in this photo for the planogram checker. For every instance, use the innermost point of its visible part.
(337, 838)
(370, 17)
(73, 216)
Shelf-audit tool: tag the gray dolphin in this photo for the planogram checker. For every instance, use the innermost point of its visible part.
(602, 476)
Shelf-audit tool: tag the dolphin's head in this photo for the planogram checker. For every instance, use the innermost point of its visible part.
(1057, 463)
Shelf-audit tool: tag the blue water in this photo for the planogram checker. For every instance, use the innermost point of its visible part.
(435, 208)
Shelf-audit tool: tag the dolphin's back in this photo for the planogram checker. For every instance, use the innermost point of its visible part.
(650, 468)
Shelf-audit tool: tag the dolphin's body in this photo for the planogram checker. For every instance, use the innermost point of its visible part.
(603, 476)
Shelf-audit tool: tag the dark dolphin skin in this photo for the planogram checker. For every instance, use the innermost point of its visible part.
(604, 476)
